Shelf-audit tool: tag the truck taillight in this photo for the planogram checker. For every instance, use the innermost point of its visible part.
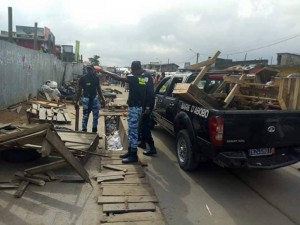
(215, 126)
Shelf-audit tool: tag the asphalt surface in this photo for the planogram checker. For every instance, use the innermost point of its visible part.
(213, 195)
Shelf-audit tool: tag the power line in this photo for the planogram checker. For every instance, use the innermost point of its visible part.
(261, 47)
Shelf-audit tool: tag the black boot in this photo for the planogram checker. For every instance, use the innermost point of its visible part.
(132, 156)
(94, 130)
(150, 151)
(126, 154)
(142, 145)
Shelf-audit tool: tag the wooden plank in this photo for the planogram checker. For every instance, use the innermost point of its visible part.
(58, 144)
(232, 93)
(21, 190)
(128, 190)
(158, 222)
(46, 167)
(131, 180)
(35, 181)
(296, 94)
(7, 186)
(60, 117)
(106, 174)
(46, 148)
(109, 178)
(152, 217)
(129, 199)
(52, 175)
(128, 207)
(42, 114)
(39, 176)
(21, 134)
(49, 112)
(256, 97)
(67, 117)
(49, 104)
(114, 168)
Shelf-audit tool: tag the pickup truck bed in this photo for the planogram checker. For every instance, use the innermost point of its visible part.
(265, 139)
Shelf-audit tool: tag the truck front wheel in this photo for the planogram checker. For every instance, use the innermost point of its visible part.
(187, 159)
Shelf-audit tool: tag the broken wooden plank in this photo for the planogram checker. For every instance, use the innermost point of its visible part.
(109, 178)
(52, 175)
(115, 168)
(7, 186)
(58, 144)
(21, 190)
(46, 167)
(67, 117)
(38, 176)
(128, 207)
(71, 179)
(4, 125)
(128, 190)
(35, 181)
(129, 199)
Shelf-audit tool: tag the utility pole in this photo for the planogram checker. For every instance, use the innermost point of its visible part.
(35, 36)
(197, 54)
(10, 35)
(245, 57)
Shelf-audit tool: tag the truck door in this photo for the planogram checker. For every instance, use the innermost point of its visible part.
(159, 98)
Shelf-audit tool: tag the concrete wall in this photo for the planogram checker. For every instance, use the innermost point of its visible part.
(23, 71)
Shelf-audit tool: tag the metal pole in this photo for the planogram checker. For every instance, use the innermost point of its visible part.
(10, 35)
(35, 36)
(197, 56)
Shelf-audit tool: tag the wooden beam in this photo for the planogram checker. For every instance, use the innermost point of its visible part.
(21, 190)
(232, 93)
(46, 167)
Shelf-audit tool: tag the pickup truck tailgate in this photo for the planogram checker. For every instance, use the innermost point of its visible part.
(257, 129)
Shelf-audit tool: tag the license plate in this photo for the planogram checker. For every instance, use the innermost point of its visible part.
(261, 151)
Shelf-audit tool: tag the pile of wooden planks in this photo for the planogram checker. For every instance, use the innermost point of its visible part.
(127, 196)
(73, 147)
(42, 112)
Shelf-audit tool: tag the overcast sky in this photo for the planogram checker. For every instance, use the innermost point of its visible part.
(120, 31)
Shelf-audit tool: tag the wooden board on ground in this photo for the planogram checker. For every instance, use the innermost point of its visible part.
(21, 190)
(46, 167)
(110, 178)
(128, 207)
(157, 222)
(128, 190)
(105, 174)
(129, 199)
(117, 168)
(131, 180)
(134, 217)
(6, 186)
(42, 114)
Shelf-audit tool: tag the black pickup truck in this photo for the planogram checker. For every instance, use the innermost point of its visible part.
(261, 139)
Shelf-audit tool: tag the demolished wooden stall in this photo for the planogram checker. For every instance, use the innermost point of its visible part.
(42, 111)
(74, 148)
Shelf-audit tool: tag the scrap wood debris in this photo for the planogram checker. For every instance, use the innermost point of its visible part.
(46, 140)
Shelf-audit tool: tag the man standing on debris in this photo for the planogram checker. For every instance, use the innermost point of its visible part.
(139, 98)
(90, 85)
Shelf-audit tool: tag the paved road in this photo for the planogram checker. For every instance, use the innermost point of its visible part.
(212, 195)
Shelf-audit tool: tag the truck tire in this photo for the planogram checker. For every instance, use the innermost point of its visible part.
(187, 158)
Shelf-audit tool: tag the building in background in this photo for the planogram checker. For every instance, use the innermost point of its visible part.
(288, 59)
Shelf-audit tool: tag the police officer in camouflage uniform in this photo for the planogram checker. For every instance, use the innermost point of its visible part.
(137, 99)
(89, 84)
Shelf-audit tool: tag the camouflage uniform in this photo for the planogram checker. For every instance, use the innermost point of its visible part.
(88, 106)
(134, 114)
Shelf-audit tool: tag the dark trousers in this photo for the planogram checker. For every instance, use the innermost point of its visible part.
(145, 129)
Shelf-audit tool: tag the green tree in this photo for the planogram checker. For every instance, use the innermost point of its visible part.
(95, 60)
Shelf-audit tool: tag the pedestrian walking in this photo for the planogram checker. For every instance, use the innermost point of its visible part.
(137, 100)
(88, 88)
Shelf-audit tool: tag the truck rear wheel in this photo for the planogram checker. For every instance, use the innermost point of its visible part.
(187, 159)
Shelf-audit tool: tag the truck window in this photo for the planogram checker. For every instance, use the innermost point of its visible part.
(173, 84)
(162, 86)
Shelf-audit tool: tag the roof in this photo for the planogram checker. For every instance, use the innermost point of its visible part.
(288, 54)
